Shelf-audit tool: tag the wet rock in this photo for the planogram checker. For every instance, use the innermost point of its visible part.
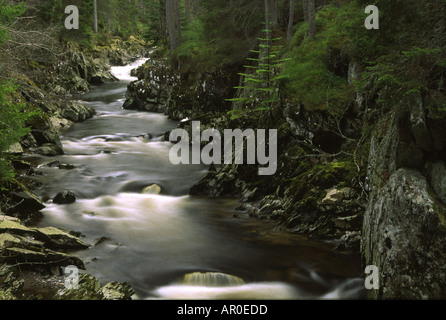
(48, 150)
(161, 88)
(15, 148)
(65, 197)
(348, 223)
(28, 246)
(11, 240)
(10, 284)
(89, 288)
(77, 112)
(43, 138)
(333, 196)
(117, 291)
(404, 236)
(25, 203)
(14, 226)
(437, 177)
(61, 239)
(350, 241)
(33, 257)
(152, 189)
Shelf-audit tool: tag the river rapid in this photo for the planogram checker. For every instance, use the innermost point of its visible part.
(172, 245)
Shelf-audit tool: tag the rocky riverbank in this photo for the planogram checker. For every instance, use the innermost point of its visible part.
(315, 193)
(373, 181)
(32, 260)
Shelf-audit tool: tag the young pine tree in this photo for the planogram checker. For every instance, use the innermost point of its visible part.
(259, 90)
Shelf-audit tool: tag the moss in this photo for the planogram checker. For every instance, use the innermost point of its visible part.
(439, 209)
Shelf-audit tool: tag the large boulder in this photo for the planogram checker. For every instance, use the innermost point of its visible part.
(76, 112)
(404, 235)
(43, 138)
(89, 288)
(30, 246)
(65, 197)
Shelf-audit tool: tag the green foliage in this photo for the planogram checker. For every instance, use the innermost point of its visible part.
(196, 52)
(12, 128)
(260, 88)
(8, 13)
(399, 75)
(309, 77)
(221, 36)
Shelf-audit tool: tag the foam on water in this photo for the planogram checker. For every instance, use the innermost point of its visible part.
(250, 291)
(123, 73)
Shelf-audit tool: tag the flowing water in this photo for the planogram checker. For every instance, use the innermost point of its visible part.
(172, 245)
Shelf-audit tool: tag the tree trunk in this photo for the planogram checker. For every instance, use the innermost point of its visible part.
(305, 9)
(162, 21)
(170, 21)
(178, 21)
(188, 6)
(195, 8)
(291, 21)
(274, 13)
(312, 19)
(95, 10)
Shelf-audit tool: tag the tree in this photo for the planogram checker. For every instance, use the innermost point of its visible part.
(260, 87)
(95, 16)
(173, 22)
(12, 115)
(305, 9)
(192, 9)
(311, 19)
(290, 21)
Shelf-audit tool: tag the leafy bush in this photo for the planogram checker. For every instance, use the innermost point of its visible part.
(416, 71)
(311, 77)
(12, 128)
(195, 51)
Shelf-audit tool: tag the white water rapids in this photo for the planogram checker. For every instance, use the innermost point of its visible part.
(172, 245)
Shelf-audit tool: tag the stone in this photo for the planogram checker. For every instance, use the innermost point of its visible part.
(27, 256)
(334, 196)
(51, 236)
(65, 197)
(351, 240)
(437, 177)
(10, 240)
(13, 225)
(15, 148)
(152, 189)
(349, 222)
(25, 202)
(60, 239)
(117, 291)
(404, 236)
(48, 150)
(89, 288)
(77, 112)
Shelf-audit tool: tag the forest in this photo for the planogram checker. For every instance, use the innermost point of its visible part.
(354, 92)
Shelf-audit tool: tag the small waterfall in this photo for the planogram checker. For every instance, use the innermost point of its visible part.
(124, 73)
(222, 286)
(212, 279)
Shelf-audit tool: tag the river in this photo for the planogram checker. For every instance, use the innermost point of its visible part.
(172, 245)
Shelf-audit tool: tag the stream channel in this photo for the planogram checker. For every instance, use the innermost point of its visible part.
(172, 245)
